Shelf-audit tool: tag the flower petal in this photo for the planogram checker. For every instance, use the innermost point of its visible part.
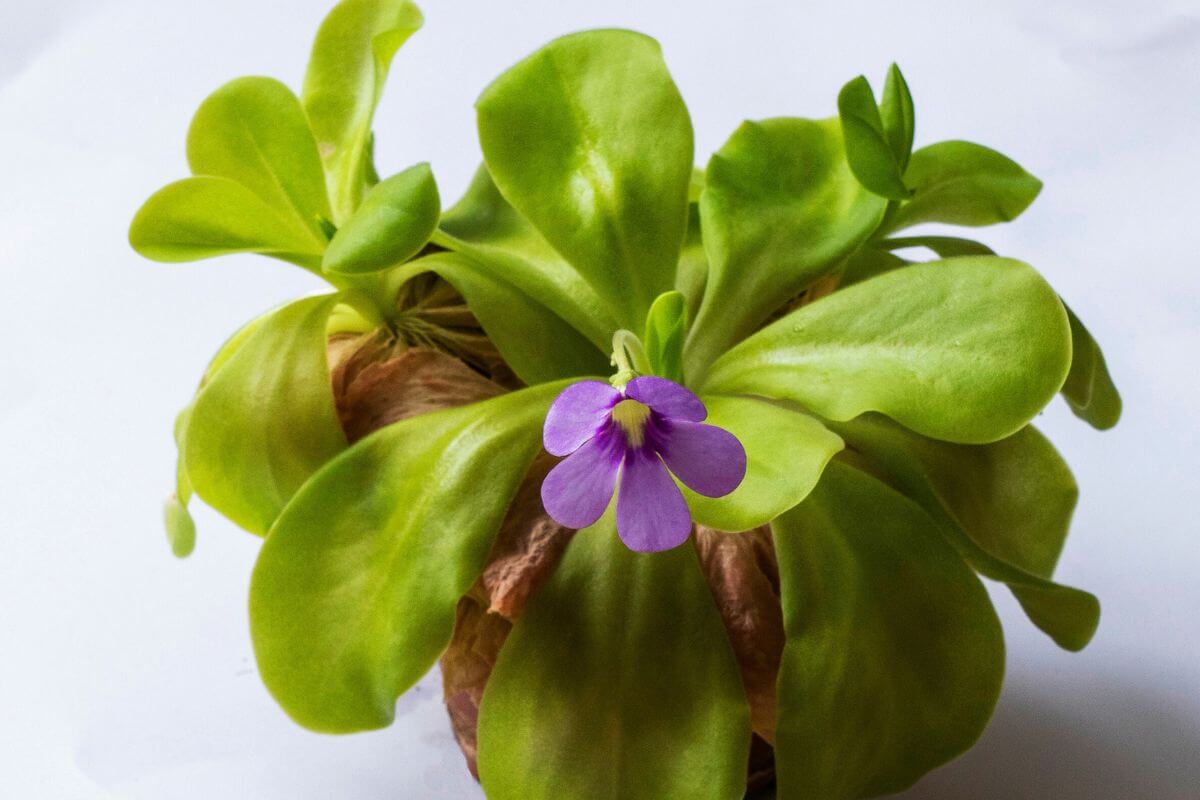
(667, 398)
(576, 415)
(578, 489)
(709, 460)
(651, 512)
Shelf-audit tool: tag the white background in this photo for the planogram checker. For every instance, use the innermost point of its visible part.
(127, 674)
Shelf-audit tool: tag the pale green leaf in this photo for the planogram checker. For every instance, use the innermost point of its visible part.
(617, 683)
(1089, 390)
(780, 209)
(353, 596)
(966, 350)
(894, 655)
(786, 451)
(589, 139)
(265, 421)
(346, 72)
(868, 149)
(394, 222)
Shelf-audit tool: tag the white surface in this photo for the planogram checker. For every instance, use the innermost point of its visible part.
(127, 674)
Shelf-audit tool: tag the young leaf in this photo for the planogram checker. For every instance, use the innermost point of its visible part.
(666, 328)
(253, 131)
(589, 139)
(966, 350)
(1089, 390)
(535, 342)
(394, 222)
(779, 210)
(353, 596)
(894, 655)
(483, 226)
(207, 216)
(961, 183)
(1006, 507)
(346, 72)
(898, 116)
(181, 528)
(786, 451)
(265, 421)
(868, 149)
(618, 681)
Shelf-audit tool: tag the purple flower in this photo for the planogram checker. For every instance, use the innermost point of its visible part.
(636, 436)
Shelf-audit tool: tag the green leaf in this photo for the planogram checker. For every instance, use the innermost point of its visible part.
(961, 183)
(253, 131)
(666, 329)
(1089, 390)
(394, 222)
(894, 655)
(779, 211)
(266, 421)
(868, 149)
(618, 681)
(868, 263)
(181, 529)
(354, 593)
(535, 342)
(1006, 507)
(966, 350)
(786, 451)
(898, 116)
(692, 271)
(208, 216)
(346, 72)
(483, 226)
(943, 246)
(589, 139)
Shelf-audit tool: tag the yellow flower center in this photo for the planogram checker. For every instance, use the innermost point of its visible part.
(631, 416)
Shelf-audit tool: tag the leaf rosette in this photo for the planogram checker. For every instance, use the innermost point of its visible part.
(807, 452)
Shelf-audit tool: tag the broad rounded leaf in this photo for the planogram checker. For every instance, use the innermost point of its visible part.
(618, 681)
(535, 342)
(394, 222)
(346, 72)
(868, 150)
(894, 655)
(254, 132)
(266, 421)
(779, 210)
(966, 350)
(1006, 507)
(786, 451)
(353, 596)
(208, 216)
(962, 183)
(589, 139)
(1089, 390)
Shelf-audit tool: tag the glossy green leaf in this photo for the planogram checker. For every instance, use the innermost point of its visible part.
(253, 131)
(868, 263)
(266, 420)
(965, 350)
(692, 271)
(353, 596)
(535, 342)
(894, 655)
(618, 681)
(485, 227)
(1006, 507)
(394, 222)
(589, 139)
(346, 72)
(1089, 390)
(209, 216)
(868, 149)
(786, 451)
(962, 183)
(780, 209)
(943, 246)
(898, 116)
(666, 329)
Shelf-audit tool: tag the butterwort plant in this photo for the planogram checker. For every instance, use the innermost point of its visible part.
(542, 427)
